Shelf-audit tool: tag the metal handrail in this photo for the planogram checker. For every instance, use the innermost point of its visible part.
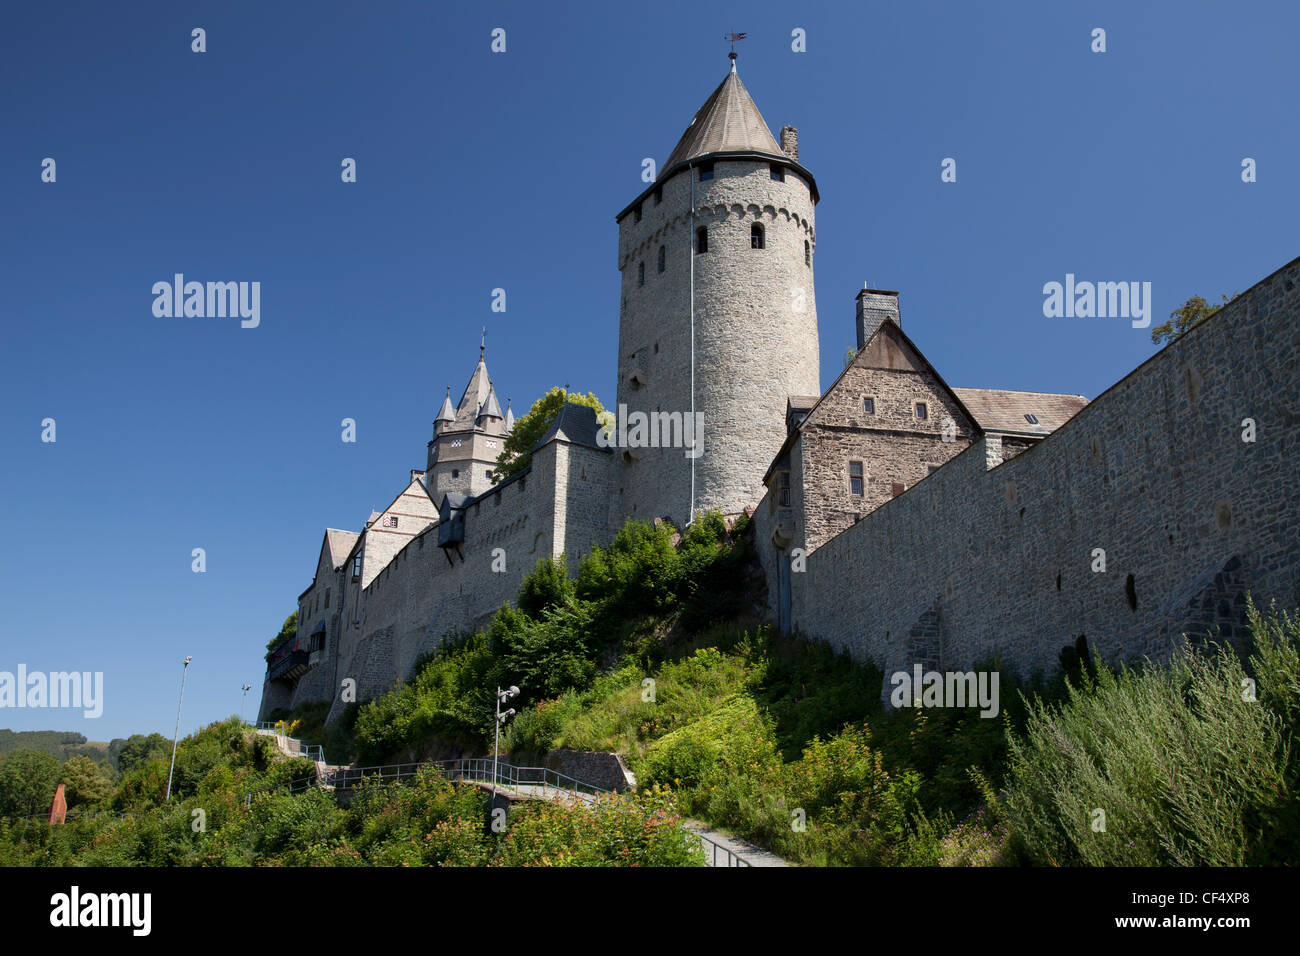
(730, 858)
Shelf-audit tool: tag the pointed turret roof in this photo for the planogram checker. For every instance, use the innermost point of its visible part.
(476, 395)
(446, 413)
(728, 124)
(728, 121)
(491, 408)
(510, 416)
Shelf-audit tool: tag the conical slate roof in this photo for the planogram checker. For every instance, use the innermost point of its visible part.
(476, 393)
(510, 417)
(727, 121)
(492, 409)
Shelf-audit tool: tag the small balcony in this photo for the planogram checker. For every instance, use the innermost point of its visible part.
(287, 663)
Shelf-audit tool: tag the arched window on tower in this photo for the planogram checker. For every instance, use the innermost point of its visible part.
(640, 274)
(756, 236)
(807, 253)
(702, 240)
(662, 254)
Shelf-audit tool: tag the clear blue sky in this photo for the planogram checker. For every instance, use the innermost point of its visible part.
(479, 170)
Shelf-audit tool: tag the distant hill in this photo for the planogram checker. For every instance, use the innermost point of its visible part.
(59, 744)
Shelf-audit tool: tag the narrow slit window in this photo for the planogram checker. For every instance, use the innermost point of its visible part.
(702, 240)
(756, 236)
(662, 257)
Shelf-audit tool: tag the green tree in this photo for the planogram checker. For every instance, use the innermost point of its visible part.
(85, 782)
(849, 356)
(1192, 312)
(287, 633)
(137, 750)
(28, 780)
(517, 451)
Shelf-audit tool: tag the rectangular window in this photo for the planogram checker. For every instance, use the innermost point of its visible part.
(390, 521)
(922, 411)
(869, 406)
(783, 493)
(855, 478)
(327, 597)
(778, 172)
(706, 172)
(356, 568)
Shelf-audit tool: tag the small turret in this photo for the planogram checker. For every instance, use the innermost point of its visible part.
(510, 417)
(446, 414)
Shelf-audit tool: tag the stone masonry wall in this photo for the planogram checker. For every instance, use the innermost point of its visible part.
(1154, 471)
(755, 332)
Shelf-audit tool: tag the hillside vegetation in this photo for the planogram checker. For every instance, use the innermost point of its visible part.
(654, 649)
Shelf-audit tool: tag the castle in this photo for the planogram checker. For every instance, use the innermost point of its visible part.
(895, 516)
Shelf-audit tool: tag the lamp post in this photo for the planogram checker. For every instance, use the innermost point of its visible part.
(502, 697)
(243, 700)
(177, 736)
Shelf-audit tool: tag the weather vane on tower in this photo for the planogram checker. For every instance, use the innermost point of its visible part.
(733, 37)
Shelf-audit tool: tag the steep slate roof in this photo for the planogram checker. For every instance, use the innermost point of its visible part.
(1002, 410)
(576, 424)
(476, 393)
(862, 352)
(340, 545)
(493, 409)
(727, 121)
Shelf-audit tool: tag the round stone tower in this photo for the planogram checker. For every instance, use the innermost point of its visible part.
(718, 319)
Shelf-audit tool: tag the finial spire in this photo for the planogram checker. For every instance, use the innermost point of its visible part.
(733, 37)
(482, 344)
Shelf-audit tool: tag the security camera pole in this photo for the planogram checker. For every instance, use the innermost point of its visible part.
(502, 697)
(177, 736)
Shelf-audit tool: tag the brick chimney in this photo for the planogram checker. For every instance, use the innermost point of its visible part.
(790, 142)
(874, 305)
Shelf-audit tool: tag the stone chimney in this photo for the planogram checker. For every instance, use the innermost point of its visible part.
(874, 305)
(790, 142)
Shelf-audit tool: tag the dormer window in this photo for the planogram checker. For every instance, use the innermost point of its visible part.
(756, 236)
(706, 171)
(1031, 418)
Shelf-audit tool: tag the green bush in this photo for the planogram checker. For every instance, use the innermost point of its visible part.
(1186, 767)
